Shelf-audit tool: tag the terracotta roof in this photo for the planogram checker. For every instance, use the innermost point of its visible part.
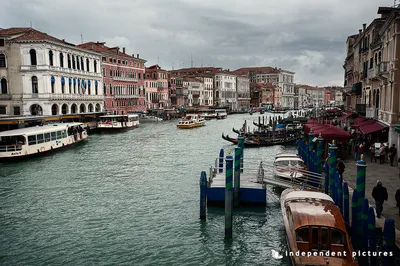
(195, 69)
(100, 47)
(191, 79)
(258, 70)
(29, 34)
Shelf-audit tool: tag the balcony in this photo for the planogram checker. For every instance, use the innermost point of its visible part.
(361, 109)
(80, 97)
(5, 96)
(383, 68)
(34, 68)
(125, 79)
(373, 73)
(348, 88)
(371, 112)
(59, 69)
(127, 96)
(357, 88)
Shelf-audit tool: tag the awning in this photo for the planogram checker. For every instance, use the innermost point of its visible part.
(363, 123)
(359, 119)
(371, 127)
(397, 129)
(344, 117)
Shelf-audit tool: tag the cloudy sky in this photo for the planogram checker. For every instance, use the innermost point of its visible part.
(304, 36)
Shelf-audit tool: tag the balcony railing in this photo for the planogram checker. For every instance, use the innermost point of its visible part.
(127, 96)
(383, 67)
(82, 97)
(5, 96)
(59, 69)
(372, 72)
(371, 112)
(125, 79)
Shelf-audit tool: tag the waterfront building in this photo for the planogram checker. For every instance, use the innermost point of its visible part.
(376, 72)
(43, 75)
(243, 92)
(208, 81)
(178, 94)
(193, 71)
(310, 96)
(156, 83)
(195, 90)
(123, 78)
(225, 94)
(281, 78)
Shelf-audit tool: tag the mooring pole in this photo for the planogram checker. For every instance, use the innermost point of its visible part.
(228, 194)
(236, 189)
(203, 195)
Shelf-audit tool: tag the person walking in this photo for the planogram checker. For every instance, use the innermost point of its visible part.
(397, 197)
(372, 151)
(379, 193)
(340, 167)
(392, 153)
(382, 154)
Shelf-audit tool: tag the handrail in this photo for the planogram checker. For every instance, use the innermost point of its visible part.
(8, 148)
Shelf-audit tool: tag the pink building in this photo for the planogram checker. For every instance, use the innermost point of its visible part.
(156, 83)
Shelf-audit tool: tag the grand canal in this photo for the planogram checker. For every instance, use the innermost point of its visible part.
(132, 199)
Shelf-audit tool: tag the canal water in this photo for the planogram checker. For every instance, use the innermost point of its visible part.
(133, 199)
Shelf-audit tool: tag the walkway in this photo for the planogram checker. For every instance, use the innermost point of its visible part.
(389, 175)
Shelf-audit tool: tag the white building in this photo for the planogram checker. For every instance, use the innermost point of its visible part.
(195, 91)
(286, 82)
(225, 90)
(48, 76)
(243, 92)
(208, 82)
(303, 98)
(338, 97)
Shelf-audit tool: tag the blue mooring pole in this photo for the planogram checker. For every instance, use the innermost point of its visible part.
(203, 195)
(326, 168)
(221, 161)
(360, 187)
(241, 146)
(389, 237)
(332, 166)
(364, 224)
(228, 194)
(372, 234)
(310, 150)
(354, 237)
(346, 204)
(236, 189)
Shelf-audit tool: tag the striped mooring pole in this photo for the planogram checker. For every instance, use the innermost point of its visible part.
(389, 237)
(364, 224)
(339, 189)
(236, 189)
(326, 184)
(371, 234)
(310, 150)
(360, 187)
(221, 161)
(332, 166)
(203, 195)
(228, 194)
(320, 152)
(354, 237)
(346, 203)
(241, 146)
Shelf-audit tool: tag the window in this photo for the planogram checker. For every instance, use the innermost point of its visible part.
(337, 237)
(40, 138)
(2, 60)
(324, 238)
(111, 73)
(82, 64)
(53, 136)
(32, 53)
(96, 86)
(35, 85)
(302, 234)
(119, 61)
(46, 137)
(95, 66)
(110, 60)
(73, 62)
(103, 59)
(1, 42)
(61, 60)
(62, 85)
(74, 86)
(69, 85)
(32, 140)
(53, 80)
(51, 57)
(111, 89)
(89, 87)
(87, 64)
(3, 109)
(78, 65)
(104, 72)
(69, 60)
(104, 89)
(59, 134)
(3, 85)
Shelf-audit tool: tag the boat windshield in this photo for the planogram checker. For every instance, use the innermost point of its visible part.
(12, 143)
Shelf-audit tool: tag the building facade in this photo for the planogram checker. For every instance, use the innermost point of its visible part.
(225, 91)
(208, 81)
(196, 91)
(177, 92)
(123, 78)
(243, 92)
(156, 84)
(286, 82)
(43, 75)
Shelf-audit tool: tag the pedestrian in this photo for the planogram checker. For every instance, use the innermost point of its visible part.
(372, 150)
(340, 167)
(379, 193)
(397, 197)
(382, 154)
(392, 153)
(398, 165)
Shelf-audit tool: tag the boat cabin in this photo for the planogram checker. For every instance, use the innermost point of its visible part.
(284, 155)
(289, 162)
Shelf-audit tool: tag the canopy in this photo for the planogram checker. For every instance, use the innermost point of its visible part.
(333, 133)
(280, 125)
(308, 127)
(359, 119)
(344, 117)
(363, 123)
(371, 127)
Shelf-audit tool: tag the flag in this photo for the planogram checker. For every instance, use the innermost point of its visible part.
(83, 86)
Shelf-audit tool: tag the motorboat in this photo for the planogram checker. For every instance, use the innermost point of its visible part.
(191, 121)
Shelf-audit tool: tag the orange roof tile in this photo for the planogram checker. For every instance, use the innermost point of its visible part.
(100, 47)
(29, 34)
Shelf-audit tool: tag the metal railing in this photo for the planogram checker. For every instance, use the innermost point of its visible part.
(383, 67)
(125, 79)
(10, 148)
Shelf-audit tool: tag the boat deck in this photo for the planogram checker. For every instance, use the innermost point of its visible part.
(251, 192)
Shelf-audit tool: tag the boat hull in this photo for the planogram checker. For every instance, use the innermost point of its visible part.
(105, 130)
(190, 126)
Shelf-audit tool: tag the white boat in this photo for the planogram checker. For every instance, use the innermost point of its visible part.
(115, 123)
(288, 167)
(150, 118)
(208, 114)
(284, 155)
(221, 113)
(191, 121)
(24, 142)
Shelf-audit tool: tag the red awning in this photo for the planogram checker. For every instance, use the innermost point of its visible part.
(344, 117)
(359, 119)
(363, 123)
(371, 127)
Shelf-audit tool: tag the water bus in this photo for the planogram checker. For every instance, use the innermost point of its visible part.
(24, 142)
(191, 121)
(208, 114)
(116, 123)
(314, 225)
(221, 113)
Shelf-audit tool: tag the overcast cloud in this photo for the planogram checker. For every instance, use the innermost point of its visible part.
(304, 36)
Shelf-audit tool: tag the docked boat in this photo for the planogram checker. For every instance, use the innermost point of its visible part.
(150, 118)
(30, 141)
(208, 114)
(314, 225)
(191, 121)
(289, 166)
(256, 141)
(221, 113)
(116, 123)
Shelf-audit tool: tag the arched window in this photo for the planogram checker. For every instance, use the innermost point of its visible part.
(77, 63)
(64, 109)
(89, 88)
(51, 58)
(70, 85)
(82, 64)
(3, 60)
(73, 62)
(3, 84)
(69, 60)
(62, 85)
(53, 80)
(87, 65)
(61, 60)
(111, 92)
(104, 89)
(32, 53)
(95, 66)
(74, 86)
(35, 85)
(96, 88)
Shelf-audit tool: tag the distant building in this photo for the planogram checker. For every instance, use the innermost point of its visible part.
(195, 90)
(225, 94)
(156, 83)
(123, 77)
(43, 75)
(243, 92)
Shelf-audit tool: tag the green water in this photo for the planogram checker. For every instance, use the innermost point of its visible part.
(133, 199)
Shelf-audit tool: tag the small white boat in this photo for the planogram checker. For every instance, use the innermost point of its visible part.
(30, 141)
(208, 114)
(221, 113)
(150, 118)
(289, 167)
(191, 121)
(115, 123)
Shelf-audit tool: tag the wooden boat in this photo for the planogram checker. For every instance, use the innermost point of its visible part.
(117, 123)
(25, 142)
(259, 141)
(191, 121)
(315, 226)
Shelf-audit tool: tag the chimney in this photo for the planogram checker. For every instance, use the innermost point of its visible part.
(359, 31)
(123, 49)
(133, 55)
(137, 55)
(364, 27)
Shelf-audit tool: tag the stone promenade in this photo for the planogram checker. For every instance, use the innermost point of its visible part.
(389, 175)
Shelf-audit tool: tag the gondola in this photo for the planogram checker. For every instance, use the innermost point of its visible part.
(261, 142)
